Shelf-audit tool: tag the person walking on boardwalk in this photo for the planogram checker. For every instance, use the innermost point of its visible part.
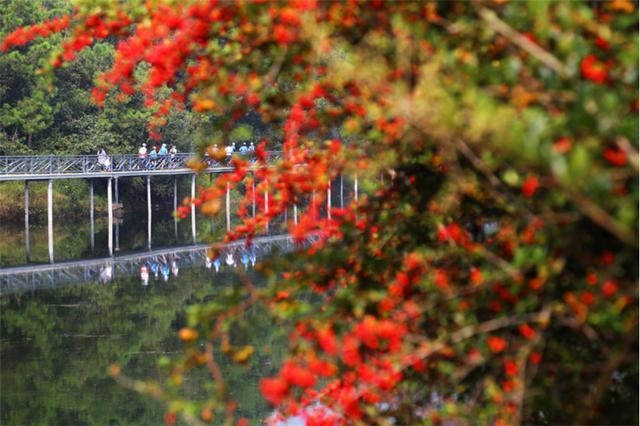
(153, 156)
(103, 159)
(142, 152)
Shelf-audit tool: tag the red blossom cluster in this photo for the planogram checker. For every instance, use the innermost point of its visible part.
(24, 35)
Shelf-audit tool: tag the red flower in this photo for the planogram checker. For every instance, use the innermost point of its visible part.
(496, 344)
(593, 70)
(327, 341)
(274, 389)
(170, 418)
(535, 358)
(609, 288)
(297, 375)
(615, 156)
(602, 43)
(530, 186)
(510, 368)
(526, 331)
(587, 298)
(562, 145)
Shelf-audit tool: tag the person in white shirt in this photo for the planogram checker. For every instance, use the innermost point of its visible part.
(142, 152)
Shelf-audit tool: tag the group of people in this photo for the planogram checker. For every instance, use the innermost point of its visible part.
(161, 267)
(246, 257)
(154, 153)
(104, 162)
(230, 150)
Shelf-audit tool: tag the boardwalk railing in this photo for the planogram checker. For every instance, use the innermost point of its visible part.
(48, 165)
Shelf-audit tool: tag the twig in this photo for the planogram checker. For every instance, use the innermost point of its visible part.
(598, 215)
(542, 317)
(532, 48)
(213, 366)
(632, 154)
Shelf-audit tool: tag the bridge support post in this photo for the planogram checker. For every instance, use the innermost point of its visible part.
(110, 215)
(193, 208)
(329, 201)
(295, 214)
(356, 188)
(253, 193)
(341, 191)
(117, 224)
(212, 216)
(228, 208)
(91, 223)
(50, 218)
(175, 207)
(149, 212)
(313, 205)
(266, 205)
(26, 219)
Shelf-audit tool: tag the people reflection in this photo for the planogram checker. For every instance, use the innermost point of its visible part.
(245, 259)
(165, 271)
(144, 274)
(174, 267)
(207, 262)
(106, 273)
(253, 257)
(230, 260)
(155, 268)
(217, 264)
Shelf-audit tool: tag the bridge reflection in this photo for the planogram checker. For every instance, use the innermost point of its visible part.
(160, 262)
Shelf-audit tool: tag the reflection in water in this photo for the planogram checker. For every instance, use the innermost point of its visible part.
(144, 274)
(106, 273)
(57, 345)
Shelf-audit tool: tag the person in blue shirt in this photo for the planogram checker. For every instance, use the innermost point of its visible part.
(153, 156)
(163, 150)
(252, 148)
(244, 149)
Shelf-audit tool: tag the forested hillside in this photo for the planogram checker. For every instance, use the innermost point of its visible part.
(39, 117)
